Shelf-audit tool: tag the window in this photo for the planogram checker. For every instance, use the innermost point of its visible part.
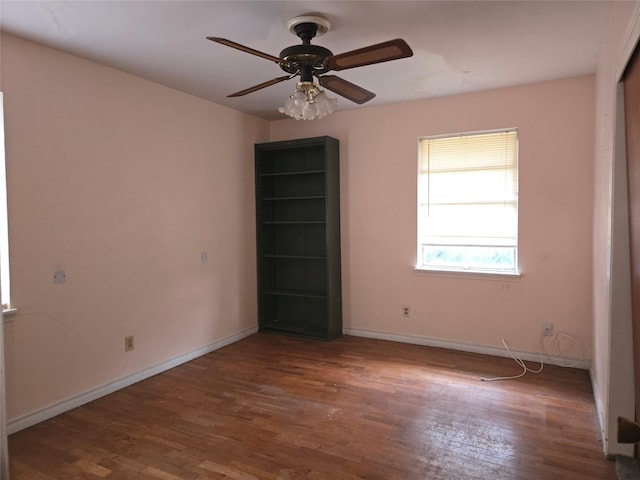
(468, 202)
(5, 292)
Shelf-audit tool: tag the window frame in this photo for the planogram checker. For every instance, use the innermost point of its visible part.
(5, 278)
(469, 270)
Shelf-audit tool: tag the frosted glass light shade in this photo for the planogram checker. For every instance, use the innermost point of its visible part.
(308, 102)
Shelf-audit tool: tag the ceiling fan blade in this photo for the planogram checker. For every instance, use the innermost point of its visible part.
(380, 52)
(242, 48)
(260, 86)
(346, 89)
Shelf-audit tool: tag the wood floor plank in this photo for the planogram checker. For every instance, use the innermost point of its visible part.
(281, 408)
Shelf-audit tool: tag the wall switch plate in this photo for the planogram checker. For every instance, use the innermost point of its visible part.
(59, 276)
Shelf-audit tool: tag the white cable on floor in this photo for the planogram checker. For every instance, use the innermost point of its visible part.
(519, 361)
(557, 337)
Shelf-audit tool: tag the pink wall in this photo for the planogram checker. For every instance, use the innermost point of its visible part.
(378, 194)
(122, 183)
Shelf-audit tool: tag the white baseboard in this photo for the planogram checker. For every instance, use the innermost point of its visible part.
(464, 347)
(600, 413)
(25, 421)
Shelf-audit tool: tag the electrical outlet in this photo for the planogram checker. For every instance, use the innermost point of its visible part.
(547, 329)
(406, 311)
(128, 343)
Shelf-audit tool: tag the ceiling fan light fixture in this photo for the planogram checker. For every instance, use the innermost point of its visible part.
(308, 102)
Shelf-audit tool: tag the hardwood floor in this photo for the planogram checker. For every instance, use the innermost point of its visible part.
(275, 407)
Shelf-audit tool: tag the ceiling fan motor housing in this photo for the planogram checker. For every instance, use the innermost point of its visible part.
(300, 57)
(305, 59)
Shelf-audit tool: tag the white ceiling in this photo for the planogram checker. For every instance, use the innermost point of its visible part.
(459, 46)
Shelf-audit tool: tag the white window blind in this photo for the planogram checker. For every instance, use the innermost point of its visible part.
(468, 201)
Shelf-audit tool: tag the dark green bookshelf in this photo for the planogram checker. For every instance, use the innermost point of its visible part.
(298, 237)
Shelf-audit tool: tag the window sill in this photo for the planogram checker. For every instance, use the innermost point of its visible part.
(478, 274)
(8, 314)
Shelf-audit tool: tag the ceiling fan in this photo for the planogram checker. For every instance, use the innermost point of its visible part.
(308, 60)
